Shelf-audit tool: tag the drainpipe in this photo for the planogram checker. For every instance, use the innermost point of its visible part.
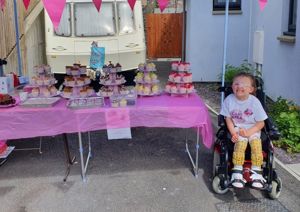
(17, 38)
(2, 62)
(183, 54)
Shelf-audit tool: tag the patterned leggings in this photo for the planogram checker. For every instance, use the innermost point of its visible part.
(256, 152)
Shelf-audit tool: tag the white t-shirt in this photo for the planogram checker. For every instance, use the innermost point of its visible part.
(244, 114)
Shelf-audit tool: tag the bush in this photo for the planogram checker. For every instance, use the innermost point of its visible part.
(231, 71)
(286, 115)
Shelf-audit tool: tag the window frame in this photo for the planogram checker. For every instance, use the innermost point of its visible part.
(233, 6)
(292, 19)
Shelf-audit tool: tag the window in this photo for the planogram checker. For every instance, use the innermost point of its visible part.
(219, 5)
(64, 28)
(292, 18)
(126, 19)
(90, 22)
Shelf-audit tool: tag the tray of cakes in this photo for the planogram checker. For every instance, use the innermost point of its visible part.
(40, 102)
(77, 92)
(107, 91)
(123, 100)
(111, 68)
(180, 89)
(7, 101)
(81, 103)
(147, 67)
(148, 89)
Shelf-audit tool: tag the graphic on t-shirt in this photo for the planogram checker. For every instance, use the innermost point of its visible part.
(237, 116)
(248, 112)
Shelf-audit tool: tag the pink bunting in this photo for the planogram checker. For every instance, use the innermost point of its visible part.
(26, 3)
(163, 4)
(54, 9)
(2, 4)
(262, 4)
(97, 4)
(131, 3)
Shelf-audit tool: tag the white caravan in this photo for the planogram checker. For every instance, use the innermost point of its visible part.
(115, 27)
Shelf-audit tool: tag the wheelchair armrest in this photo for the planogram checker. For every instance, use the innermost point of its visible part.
(221, 121)
(272, 130)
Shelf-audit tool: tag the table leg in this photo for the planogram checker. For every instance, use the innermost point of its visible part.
(69, 160)
(194, 162)
(84, 164)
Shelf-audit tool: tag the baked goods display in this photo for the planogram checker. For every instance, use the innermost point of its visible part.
(180, 79)
(6, 100)
(112, 82)
(146, 80)
(42, 83)
(76, 82)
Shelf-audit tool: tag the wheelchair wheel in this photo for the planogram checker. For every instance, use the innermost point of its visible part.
(216, 184)
(276, 189)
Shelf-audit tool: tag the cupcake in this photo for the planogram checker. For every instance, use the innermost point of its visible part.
(187, 77)
(181, 67)
(75, 71)
(68, 70)
(155, 89)
(140, 89)
(141, 66)
(123, 102)
(189, 88)
(67, 92)
(87, 80)
(80, 81)
(187, 66)
(46, 93)
(35, 92)
(90, 91)
(76, 65)
(171, 76)
(83, 92)
(40, 81)
(47, 81)
(33, 80)
(105, 68)
(173, 88)
(139, 77)
(82, 69)
(118, 67)
(174, 66)
(115, 103)
(168, 87)
(147, 78)
(53, 90)
(177, 78)
(109, 92)
(153, 76)
(147, 90)
(182, 89)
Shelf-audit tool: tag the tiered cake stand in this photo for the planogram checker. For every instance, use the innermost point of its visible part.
(146, 80)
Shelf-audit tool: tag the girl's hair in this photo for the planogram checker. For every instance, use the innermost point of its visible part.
(249, 76)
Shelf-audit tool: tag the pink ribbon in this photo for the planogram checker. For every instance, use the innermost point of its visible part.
(26, 3)
(163, 4)
(262, 4)
(54, 9)
(2, 4)
(131, 3)
(97, 4)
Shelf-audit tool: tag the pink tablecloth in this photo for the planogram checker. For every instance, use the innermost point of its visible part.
(159, 111)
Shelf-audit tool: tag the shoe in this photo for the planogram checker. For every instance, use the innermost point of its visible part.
(258, 181)
(237, 180)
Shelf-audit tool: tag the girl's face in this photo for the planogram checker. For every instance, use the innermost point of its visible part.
(242, 87)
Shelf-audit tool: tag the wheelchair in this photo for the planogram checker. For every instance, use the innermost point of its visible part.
(223, 151)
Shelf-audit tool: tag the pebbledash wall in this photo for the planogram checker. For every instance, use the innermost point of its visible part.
(205, 39)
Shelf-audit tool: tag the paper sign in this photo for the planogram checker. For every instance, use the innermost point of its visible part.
(121, 133)
(97, 57)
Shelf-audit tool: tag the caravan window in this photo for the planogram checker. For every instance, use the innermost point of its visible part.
(64, 28)
(126, 18)
(90, 22)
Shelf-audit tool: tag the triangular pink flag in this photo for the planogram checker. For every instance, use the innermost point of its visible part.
(131, 3)
(26, 3)
(163, 4)
(2, 4)
(54, 9)
(262, 4)
(97, 4)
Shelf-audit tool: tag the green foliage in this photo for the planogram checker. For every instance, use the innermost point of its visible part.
(286, 115)
(231, 71)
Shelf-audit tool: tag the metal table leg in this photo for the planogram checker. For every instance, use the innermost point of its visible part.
(84, 165)
(69, 160)
(194, 162)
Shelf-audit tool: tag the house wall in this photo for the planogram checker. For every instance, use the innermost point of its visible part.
(205, 39)
(281, 65)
